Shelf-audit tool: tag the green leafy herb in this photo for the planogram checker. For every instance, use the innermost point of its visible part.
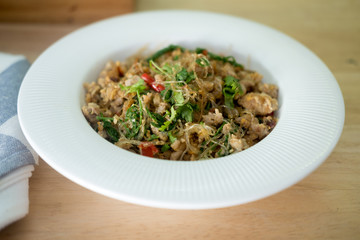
(158, 119)
(165, 147)
(132, 116)
(186, 112)
(231, 88)
(111, 132)
(139, 87)
(161, 52)
(108, 127)
(185, 76)
(166, 124)
(167, 93)
(176, 58)
(190, 77)
(140, 106)
(182, 75)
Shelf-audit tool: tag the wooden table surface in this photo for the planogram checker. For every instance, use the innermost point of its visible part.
(325, 205)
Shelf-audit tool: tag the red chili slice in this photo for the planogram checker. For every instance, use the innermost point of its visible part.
(158, 87)
(151, 82)
(148, 149)
(147, 78)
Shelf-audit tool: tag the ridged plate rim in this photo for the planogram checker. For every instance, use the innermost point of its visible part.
(310, 124)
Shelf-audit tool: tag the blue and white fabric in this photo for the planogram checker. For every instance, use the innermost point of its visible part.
(17, 158)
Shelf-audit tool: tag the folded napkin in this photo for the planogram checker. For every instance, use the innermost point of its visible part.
(16, 156)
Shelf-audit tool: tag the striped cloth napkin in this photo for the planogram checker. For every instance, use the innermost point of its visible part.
(17, 158)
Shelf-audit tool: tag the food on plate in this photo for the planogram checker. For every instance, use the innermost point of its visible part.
(181, 104)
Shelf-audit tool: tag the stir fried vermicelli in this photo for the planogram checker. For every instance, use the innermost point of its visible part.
(181, 104)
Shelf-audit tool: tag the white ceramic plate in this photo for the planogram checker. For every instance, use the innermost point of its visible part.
(311, 113)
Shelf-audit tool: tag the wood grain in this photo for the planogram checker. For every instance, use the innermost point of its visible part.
(325, 205)
(62, 11)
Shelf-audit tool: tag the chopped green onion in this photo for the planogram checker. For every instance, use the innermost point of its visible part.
(163, 51)
(229, 59)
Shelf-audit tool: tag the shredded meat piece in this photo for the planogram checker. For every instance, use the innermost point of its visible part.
(157, 100)
(178, 145)
(259, 103)
(162, 107)
(147, 99)
(159, 78)
(111, 71)
(176, 155)
(90, 111)
(126, 106)
(101, 130)
(116, 105)
(247, 85)
(261, 130)
(92, 92)
(213, 119)
(123, 145)
(237, 144)
(131, 81)
(228, 69)
(231, 112)
(226, 128)
(269, 89)
(135, 69)
(217, 92)
(249, 82)
(245, 120)
(269, 121)
(165, 155)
